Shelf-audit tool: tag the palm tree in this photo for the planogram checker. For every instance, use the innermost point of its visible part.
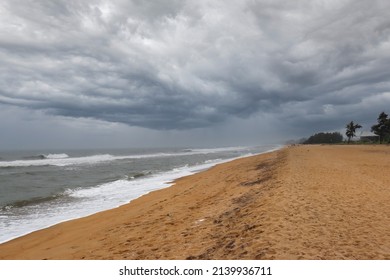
(382, 128)
(351, 129)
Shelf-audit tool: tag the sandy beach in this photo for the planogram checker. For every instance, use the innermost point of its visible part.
(300, 202)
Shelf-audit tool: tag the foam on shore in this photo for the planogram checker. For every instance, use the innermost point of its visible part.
(81, 202)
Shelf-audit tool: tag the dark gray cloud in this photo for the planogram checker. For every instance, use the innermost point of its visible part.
(310, 65)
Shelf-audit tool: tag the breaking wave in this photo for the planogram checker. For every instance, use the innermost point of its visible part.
(65, 160)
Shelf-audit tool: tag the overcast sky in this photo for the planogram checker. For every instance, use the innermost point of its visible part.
(189, 72)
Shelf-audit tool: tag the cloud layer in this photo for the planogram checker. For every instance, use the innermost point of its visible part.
(192, 64)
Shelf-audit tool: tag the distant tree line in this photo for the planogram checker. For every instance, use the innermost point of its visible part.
(324, 138)
(381, 129)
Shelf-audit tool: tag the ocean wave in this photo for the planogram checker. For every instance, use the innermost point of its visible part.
(137, 175)
(57, 160)
(220, 150)
(64, 159)
(55, 156)
(48, 156)
(22, 217)
(32, 201)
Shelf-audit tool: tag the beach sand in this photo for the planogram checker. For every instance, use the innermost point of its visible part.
(301, 202)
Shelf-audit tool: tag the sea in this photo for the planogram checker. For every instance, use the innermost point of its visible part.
(41, 188)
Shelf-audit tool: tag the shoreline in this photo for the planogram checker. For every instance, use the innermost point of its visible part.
(159, 180)
(300, 202)
(164, 183)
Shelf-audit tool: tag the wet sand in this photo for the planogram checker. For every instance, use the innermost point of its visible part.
(301, 202)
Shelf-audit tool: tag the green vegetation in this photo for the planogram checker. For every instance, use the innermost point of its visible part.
(325, 138)
(351, 130)
(382, 128)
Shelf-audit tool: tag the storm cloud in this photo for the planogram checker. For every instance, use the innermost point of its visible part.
(178, 65)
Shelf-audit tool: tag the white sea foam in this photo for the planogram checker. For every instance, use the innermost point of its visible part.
(218, 150)
(87, 201)
(65, 160)
(56, 156)
(91, 200)
(57, 161)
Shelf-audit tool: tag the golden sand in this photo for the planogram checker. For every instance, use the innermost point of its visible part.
(301, 202)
